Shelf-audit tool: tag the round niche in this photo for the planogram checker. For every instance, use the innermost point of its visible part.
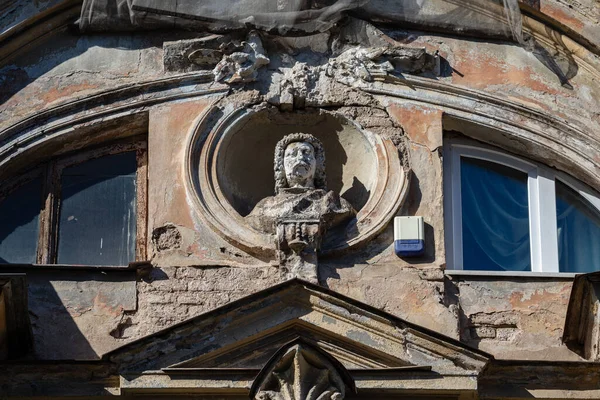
(245, 163)
(230, 169)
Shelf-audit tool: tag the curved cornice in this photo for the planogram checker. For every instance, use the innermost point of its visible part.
(21, 36)
(540, 128)
(579, 150)
(583, 51)
(558, 26)
(53, 121)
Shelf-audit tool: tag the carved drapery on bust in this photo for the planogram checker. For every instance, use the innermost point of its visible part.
(300, 371)
(302, 209)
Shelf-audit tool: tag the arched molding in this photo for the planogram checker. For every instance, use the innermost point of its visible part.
(579, 148)
(95, 112)
(529, 132)
(96, 132)
(31, 31)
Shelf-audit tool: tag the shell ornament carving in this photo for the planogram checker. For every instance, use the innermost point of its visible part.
(300, 371)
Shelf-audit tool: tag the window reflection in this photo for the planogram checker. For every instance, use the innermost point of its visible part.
(578, 229)
(98, 211)
(19, 224)
(495, 217)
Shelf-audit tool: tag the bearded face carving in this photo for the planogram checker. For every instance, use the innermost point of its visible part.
(300, 165)
(300, 187)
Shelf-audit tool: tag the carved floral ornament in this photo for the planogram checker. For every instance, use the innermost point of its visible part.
(301, 371)
(239, 58)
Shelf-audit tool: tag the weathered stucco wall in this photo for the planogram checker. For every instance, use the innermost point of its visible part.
(581, 16)
(196, 270)
(518, 319)
(69, 306)
(14, 12)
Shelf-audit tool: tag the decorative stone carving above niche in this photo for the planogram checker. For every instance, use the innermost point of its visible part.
(237, 58)
(230, 59)
(230, 170)
(371, 63)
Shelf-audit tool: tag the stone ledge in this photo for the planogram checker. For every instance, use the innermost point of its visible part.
(512, 274)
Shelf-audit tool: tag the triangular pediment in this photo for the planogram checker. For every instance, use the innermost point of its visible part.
(245, 334)
(256, 351)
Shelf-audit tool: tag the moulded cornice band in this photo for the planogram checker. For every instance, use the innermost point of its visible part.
(478, 107)
(124, 99)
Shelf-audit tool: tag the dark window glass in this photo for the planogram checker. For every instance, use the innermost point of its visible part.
(578, 225)
(495, 217)
(98, 212)
(19, 224)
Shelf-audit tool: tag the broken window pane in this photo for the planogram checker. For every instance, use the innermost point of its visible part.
(19, 224)
(97, 223)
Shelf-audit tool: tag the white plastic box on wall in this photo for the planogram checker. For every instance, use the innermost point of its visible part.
(409, 237)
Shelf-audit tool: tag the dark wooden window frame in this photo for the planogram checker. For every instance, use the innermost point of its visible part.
(50, 172)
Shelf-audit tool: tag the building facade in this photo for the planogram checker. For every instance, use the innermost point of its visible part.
(223, 199)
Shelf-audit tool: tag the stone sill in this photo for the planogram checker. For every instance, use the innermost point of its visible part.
(512, 274)
(132, 266)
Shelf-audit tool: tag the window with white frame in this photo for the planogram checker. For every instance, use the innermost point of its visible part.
(504, 213)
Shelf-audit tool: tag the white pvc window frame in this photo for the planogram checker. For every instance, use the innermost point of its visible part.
(542, 204)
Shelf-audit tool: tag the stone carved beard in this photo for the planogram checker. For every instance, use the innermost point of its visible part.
(300, 165)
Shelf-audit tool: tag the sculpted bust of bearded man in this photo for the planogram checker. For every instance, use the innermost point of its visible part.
(300, 187)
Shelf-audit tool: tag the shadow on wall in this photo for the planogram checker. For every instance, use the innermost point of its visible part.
(411, 207)
(385, 240)
(358, 190)
(71, 310)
